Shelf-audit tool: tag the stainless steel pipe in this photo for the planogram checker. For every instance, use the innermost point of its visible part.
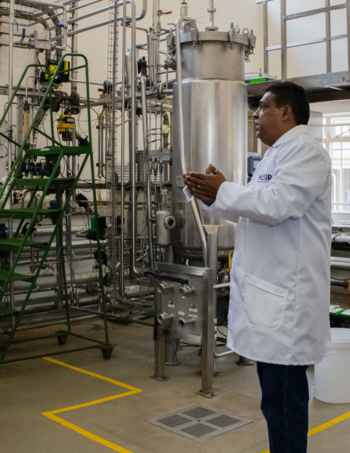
(222, 285)
(148, 172)
(10, 120)
(42, 5)
(107, 8)
(122, 192)
(182, 134)
(83, 6)
(133, 136)
(106, 22)
(212, 12)
(51, 282)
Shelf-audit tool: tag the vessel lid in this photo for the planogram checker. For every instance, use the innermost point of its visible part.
(223, 36)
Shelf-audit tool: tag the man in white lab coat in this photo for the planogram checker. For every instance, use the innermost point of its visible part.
(280, 277)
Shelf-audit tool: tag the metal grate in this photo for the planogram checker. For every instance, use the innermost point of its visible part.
(174, 421)
(223, 421)
(199, 422)
(199, 430)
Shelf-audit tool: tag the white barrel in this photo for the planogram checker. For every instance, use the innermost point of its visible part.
(333, 373)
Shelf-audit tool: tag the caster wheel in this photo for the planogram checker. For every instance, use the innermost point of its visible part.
(62, 340)
(62, 336)
(107, 354)
(107, 350)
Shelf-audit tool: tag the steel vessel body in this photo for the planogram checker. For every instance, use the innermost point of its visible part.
(215, 130)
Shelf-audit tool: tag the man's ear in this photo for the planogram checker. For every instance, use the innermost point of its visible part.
(287, 113)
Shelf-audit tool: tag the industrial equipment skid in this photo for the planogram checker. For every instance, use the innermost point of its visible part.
(184, 303)
(17, 241)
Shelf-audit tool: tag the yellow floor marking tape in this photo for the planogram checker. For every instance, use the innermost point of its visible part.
(103, 378)
(51, 415)
(329, 424)
(87, 434)
(320, 428)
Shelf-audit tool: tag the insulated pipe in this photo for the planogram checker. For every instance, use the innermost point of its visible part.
(182, 134)
(148, 172)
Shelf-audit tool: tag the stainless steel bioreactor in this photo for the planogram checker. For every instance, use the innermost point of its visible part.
(215, 124)
(209, 126)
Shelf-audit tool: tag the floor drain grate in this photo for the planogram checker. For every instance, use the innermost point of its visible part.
(174, 421)
(223, 421)
(199, 430)
(199, 422)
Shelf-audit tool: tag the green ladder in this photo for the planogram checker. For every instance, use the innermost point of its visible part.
(17, 243)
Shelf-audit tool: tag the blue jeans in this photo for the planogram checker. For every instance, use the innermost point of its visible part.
(285, 405)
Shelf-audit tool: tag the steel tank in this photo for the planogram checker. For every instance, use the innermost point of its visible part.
(215, 128)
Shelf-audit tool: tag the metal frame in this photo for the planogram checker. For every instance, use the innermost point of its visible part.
(285, 45)
(206, 339)
(5, 194)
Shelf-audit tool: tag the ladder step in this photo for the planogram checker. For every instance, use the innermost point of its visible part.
(15, 277)
(14, 244)
(6, 311)
(56, 151)
(27, 213)
(42, 182)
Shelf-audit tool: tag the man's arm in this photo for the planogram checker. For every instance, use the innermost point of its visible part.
(299, 179)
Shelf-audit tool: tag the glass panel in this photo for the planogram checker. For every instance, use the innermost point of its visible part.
(336, 140)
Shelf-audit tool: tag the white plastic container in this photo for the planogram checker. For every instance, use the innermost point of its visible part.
(332, 375)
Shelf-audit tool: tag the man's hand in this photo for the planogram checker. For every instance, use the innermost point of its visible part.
(204, 187)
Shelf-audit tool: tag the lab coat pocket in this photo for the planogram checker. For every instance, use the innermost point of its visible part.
(265, 304)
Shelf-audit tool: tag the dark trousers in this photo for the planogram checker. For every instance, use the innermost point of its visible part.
(285, 405)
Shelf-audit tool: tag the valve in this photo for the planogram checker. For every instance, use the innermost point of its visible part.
(164, 288)
(164, 319)
(185, 291)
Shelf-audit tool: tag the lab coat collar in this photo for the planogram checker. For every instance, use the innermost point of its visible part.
(297, 130)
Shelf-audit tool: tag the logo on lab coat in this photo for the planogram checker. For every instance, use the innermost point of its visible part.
(265, 178)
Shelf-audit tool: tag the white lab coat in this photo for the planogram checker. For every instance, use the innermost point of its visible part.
(280, 276)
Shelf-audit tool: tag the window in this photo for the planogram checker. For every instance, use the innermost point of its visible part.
(336, 140)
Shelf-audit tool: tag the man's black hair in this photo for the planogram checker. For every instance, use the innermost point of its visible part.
(289, 93)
